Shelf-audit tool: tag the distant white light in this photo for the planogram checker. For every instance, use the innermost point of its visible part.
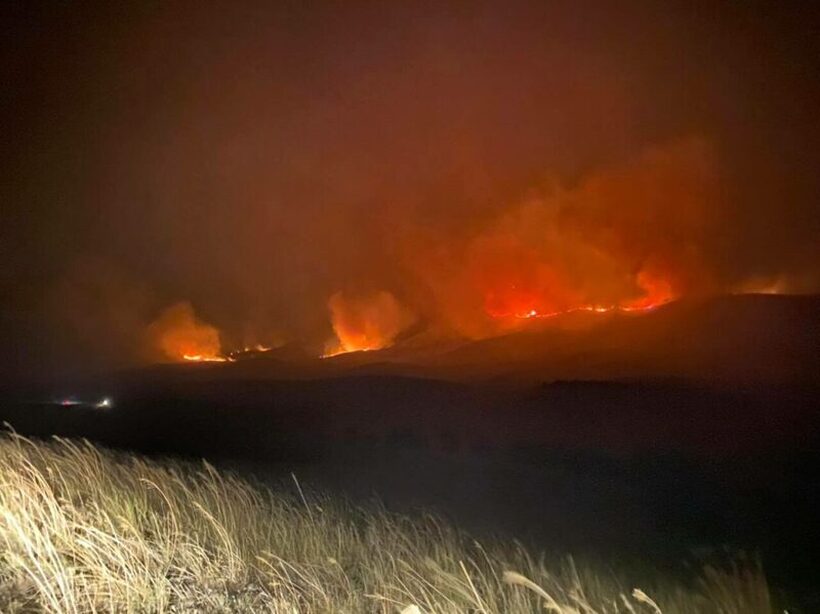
(105, 403)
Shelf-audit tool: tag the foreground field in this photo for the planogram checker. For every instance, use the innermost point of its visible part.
(85, 530)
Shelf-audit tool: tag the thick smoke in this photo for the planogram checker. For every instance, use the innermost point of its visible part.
(475, 164)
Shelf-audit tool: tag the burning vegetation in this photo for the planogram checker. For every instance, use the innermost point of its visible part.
(367, 322)
(626, 239)
(180, 335)
(623, 239)
(485, 169)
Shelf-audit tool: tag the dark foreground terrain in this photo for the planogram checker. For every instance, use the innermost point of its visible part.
(86, 530)
(548, 436)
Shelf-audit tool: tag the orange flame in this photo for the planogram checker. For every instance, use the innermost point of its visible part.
(364, 323)
(180, 335)
(622, 239)
(525, 305)
(201, 358)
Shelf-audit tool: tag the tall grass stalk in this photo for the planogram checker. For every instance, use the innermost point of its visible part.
(83, 529)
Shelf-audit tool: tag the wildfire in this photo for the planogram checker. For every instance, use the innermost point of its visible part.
(201, 358)
(589, 309)
(365, 323)
(621, 239)
(656, 291)
(624, 238)
(180, 335)
(248, 350)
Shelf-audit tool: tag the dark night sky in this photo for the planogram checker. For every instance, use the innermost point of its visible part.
(254, 158)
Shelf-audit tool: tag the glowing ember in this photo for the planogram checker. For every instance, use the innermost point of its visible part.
(201, 358)
(591, 309)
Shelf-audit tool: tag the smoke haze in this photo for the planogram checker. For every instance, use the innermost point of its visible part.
(271, 173)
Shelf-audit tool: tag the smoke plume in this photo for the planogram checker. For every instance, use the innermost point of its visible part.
(179, 335)
(633, 236)
(465, 167)
(368, 322)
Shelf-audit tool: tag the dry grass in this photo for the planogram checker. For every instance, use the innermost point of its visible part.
(88, 530)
